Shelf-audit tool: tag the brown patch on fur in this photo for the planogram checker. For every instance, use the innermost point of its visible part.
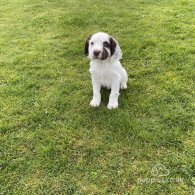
(104, 54)
(112, 45)
(87, 45)
(106, 44)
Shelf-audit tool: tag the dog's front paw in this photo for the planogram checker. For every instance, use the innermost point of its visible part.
(123, 86)
(94, 103)
(112, 105)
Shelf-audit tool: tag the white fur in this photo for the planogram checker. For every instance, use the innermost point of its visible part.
(106, 73)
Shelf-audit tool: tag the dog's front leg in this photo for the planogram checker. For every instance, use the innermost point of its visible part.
(113, 99)
(95, 102)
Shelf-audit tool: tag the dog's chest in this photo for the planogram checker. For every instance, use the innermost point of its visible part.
(103, 73)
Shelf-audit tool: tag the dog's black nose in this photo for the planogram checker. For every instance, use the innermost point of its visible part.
(96, 53)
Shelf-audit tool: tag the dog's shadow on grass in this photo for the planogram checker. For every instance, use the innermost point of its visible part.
(105, 93)
(105, 96)
(115, 120)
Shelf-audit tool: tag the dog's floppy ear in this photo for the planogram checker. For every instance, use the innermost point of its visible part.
(87, 45)
(115, 49)
(112, 45)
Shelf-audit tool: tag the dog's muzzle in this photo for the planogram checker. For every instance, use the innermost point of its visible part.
(102, 55)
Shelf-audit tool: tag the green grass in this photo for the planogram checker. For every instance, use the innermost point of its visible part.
(52, 142)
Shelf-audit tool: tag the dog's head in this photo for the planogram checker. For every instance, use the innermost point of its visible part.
(101, 46)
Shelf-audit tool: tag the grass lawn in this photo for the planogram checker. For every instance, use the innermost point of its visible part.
(52, 142)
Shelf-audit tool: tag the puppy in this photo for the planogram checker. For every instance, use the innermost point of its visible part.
(105, 68)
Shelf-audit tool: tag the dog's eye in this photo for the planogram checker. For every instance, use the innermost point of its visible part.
(91, 43)
(106, 44)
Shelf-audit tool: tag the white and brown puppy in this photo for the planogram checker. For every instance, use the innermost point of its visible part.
(106, 70)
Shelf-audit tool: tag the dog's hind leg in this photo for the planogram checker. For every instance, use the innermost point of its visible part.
(124, 79)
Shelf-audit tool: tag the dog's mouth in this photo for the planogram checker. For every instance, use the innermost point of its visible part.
(97, 57)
